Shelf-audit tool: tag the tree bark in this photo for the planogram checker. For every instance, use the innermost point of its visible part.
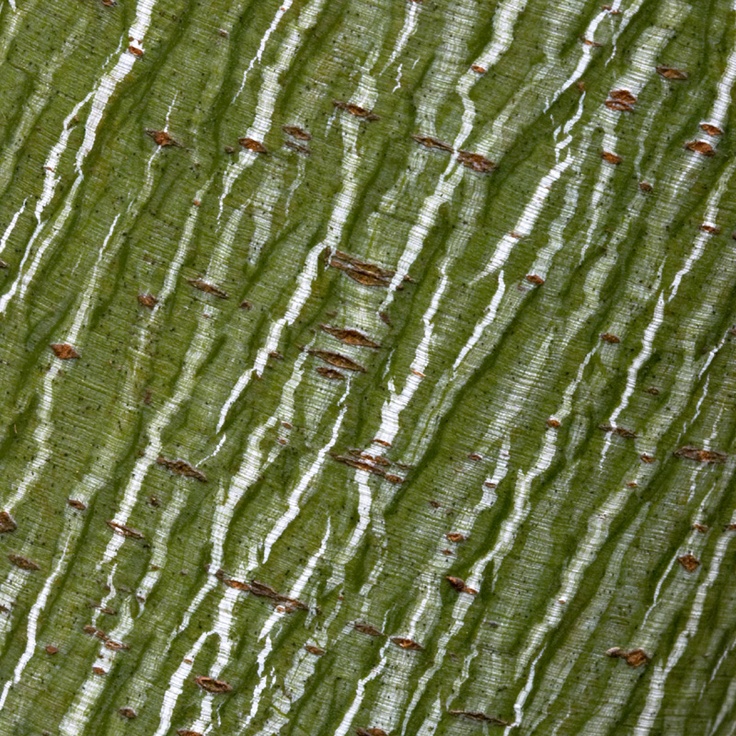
(367, 367)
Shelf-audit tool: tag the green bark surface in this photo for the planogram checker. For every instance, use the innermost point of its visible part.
(544, 339)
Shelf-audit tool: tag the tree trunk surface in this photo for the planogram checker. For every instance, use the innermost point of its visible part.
(367, 367)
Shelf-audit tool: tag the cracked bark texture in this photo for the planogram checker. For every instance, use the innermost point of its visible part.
(367, 367)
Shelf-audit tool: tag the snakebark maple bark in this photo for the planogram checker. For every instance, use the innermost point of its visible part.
(367, 367)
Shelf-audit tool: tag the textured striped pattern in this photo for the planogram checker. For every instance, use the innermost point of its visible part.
(306, 365)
